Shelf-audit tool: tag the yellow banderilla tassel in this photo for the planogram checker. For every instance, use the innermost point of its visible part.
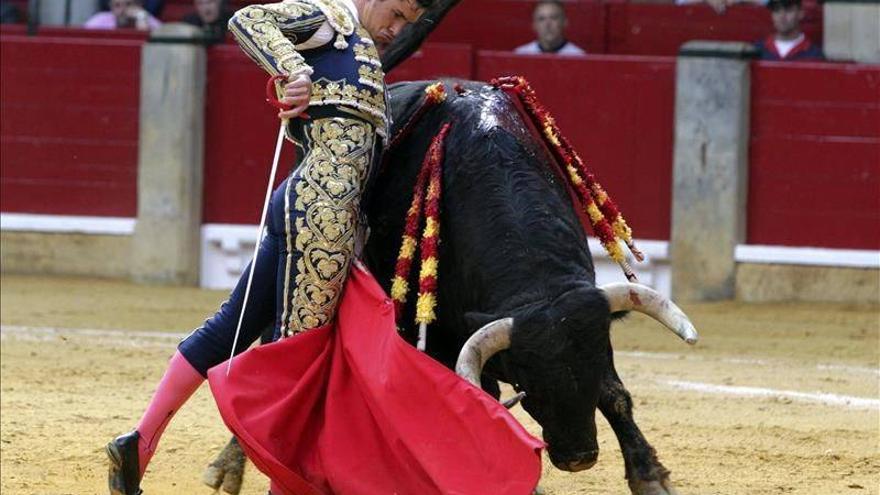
(425, 308)
(399, 289)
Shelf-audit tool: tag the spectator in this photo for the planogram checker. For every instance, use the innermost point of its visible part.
(123, 14)
(788, 42)
(154, 7)
(211, 16)
(549, 22)
(9, 13)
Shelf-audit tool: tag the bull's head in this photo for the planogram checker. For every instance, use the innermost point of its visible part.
(558, 353)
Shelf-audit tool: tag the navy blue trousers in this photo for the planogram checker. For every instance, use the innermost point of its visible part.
(211, 343)
(303, 261)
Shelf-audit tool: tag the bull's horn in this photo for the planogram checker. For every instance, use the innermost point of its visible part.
(513, 400)
(625, 296)
(480, 347)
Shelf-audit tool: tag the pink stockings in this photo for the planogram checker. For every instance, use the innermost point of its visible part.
(175, 388)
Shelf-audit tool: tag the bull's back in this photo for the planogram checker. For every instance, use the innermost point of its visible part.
(509, 232)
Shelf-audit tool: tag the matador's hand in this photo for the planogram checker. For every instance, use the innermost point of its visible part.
(297, 92)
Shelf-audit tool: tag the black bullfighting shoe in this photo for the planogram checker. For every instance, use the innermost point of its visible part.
(124, 478)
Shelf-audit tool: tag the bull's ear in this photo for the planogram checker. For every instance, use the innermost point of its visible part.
(476, 319)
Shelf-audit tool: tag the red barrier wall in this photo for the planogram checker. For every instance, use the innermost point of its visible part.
(68, 135)
(13, 29)
(814, 159)
(240, 132)
(435, 60)
(69, 125)
(618, 113)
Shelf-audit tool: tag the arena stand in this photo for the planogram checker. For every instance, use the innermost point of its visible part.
(814, 150)
(614, 27)
(599, 26)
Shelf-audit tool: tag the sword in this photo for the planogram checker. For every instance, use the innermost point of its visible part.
(272, 100)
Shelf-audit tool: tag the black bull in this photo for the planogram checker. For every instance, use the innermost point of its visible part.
(512, 247)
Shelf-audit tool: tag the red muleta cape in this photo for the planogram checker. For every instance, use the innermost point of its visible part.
(354, 410)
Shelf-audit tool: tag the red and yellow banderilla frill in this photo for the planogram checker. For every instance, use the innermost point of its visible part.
(605, 218)
(425, 202)
(607, 222)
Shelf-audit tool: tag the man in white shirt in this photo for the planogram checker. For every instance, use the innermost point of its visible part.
(788, 42)
(549, 22)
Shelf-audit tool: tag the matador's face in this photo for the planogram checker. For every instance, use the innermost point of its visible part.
(384, 19)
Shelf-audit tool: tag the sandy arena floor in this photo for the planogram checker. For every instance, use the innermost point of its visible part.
(774, 399)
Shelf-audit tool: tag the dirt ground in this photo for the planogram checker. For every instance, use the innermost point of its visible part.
(774, 398)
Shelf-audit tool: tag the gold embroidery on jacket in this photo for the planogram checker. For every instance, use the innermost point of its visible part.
(365, 51)
(339, 17)
(268, 32)
(372, 77)
(328, 203)
(368, 100)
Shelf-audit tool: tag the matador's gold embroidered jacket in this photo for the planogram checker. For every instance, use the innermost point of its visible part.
(321, 38)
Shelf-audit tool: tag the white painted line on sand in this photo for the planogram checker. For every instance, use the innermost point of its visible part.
(131, 338)
(848, 401)
(90, 336)
(670, 356)
(848, 368)
(655, 355)
(90, 332)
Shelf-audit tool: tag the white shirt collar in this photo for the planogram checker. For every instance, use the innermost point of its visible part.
(784, 47)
